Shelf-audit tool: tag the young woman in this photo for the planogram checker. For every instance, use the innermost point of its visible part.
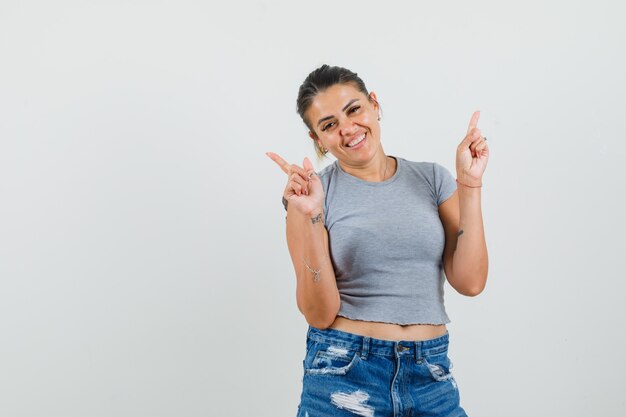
(369, 237)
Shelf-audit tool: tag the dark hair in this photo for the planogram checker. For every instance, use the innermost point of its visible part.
(318, 81)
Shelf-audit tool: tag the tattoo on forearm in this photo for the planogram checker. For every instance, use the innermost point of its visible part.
(317, 219)
(316, 272)
(460, 233)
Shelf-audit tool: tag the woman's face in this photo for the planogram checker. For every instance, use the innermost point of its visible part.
(345, 121)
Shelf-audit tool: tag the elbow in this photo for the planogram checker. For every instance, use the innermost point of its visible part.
(474, 289)
(321, 319)
(320, 315)
(320, 322)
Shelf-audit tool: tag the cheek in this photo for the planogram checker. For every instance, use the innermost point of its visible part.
(366, 118)
(331, 141)
(371, 121)
(370, 118)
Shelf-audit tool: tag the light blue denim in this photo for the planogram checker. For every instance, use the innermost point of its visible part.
(351, 375)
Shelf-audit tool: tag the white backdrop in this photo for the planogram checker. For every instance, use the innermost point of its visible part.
(143, 263)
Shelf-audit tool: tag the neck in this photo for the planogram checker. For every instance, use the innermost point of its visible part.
(377, 170)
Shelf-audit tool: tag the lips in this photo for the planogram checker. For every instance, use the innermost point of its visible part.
(356, 140)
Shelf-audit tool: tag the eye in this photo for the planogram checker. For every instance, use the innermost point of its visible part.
(327, 126)
(354, 109)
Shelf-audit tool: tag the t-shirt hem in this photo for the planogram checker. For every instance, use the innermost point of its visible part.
(400, 322)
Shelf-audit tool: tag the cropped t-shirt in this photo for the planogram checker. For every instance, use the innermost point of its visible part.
(386, 242)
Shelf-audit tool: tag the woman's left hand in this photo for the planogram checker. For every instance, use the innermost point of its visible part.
(472, 155)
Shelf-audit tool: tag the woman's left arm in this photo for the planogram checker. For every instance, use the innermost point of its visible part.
(465, 259)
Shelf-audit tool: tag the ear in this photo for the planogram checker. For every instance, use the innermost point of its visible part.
(315, 139)
(374, 100)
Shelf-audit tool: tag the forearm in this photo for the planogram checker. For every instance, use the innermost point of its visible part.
(316, 289)
(470, 262)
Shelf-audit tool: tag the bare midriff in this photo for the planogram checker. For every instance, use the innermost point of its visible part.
(389, 331)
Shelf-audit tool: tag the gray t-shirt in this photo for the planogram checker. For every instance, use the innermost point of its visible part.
(386, 242)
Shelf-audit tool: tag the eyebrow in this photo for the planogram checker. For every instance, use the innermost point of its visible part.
(344, 109)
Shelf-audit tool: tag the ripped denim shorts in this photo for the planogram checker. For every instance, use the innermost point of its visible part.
(349, 375)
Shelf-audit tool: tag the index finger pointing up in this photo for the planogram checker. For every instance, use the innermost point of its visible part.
(284, 165)
(473, 121)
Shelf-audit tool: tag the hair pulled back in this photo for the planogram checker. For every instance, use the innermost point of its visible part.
(319, 80)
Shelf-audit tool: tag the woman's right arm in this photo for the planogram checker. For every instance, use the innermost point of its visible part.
(317, 295)
(316, 289)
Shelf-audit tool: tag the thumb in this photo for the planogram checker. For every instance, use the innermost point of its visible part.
(308, 165)
(467, 141)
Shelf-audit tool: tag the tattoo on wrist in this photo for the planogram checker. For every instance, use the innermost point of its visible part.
(317, 219)
(460, 233)
(316, 272)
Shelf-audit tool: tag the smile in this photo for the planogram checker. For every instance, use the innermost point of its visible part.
(356, 141)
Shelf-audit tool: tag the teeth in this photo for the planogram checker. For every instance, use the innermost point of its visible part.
(356, 141)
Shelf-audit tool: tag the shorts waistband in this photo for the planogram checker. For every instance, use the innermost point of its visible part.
(367, 344)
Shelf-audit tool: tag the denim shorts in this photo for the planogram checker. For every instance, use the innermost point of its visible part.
(350, 375)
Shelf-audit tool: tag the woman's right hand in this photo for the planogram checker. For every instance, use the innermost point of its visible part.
(304, 188)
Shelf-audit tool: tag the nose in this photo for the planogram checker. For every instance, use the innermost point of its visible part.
(347, 126)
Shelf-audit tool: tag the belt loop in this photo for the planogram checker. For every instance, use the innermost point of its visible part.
(366, 347)
(418, 352)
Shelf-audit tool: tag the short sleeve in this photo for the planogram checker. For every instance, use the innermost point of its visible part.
(445, 184)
